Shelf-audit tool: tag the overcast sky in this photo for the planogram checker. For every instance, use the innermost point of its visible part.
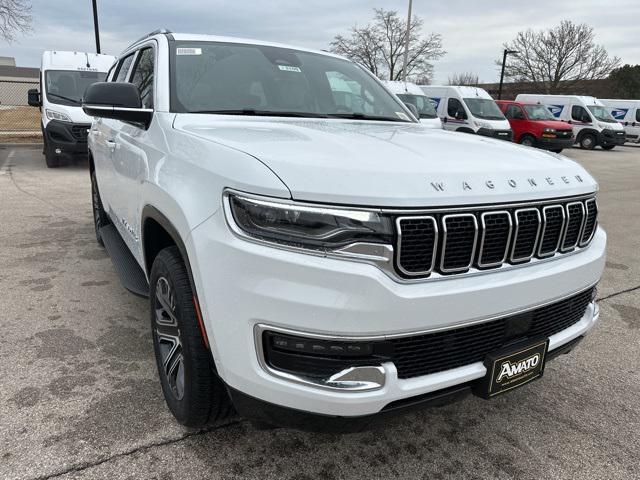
(472, 31)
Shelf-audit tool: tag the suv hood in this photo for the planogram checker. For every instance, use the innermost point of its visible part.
(391, 164)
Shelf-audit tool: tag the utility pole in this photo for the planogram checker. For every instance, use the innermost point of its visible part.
(406, 44)
(95, 25)
(504, 61)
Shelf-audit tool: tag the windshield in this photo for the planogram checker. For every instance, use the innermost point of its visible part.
(66, 87)
(484, 108)
(538, 112)
(238, 79)
(601, 114)
(421, 102)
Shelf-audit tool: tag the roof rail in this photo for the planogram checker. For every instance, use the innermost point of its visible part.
(155, 32)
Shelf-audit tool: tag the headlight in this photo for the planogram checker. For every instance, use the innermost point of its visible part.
(53, 115)
(308, 226)
(549, 130)
(484, 125)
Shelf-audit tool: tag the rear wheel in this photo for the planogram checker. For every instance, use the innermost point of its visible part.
(100, 217)
(608, 147)
(192, 390)
(528, 140)
(588, 141)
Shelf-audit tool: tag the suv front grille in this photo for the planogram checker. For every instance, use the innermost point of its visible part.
(488, 237)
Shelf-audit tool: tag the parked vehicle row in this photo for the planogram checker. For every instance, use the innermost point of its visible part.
(627, 113)
(312, 253)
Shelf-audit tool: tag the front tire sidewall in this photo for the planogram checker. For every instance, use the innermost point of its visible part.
(588, 142)
(528, 141)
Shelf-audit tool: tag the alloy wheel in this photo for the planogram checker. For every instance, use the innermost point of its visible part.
(168, 337)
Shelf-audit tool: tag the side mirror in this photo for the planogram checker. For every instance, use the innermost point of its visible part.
(33, 97)
(412, 108)
(120, 101)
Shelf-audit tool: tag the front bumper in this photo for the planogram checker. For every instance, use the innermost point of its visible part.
(243, 284)
(612, 137)
(499, 134)
(555, 143)
(69, 139)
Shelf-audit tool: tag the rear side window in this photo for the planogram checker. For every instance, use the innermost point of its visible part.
(455, 109)
(123, 68)
(143, 76)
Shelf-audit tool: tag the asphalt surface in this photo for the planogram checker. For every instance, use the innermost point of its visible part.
(79, 395)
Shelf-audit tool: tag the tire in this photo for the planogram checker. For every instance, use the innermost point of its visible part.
(588, 141)
(50, 158)
(557, 150)
(528, 140)
(100, 217)
(608, 147)
(192, 390)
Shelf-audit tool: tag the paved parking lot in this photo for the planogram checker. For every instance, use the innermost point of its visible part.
(80, 396)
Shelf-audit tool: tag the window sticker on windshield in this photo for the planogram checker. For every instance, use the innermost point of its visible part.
(188, 51)
(288, 68)
(402, 115)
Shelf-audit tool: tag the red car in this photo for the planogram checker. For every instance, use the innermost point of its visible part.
(535, 126)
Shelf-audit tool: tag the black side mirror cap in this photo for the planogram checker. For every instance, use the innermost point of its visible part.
(33, 97)
(120, 101)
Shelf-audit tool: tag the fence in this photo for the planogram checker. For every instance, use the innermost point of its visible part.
(17, 119)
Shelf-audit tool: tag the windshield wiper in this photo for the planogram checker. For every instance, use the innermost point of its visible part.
(364, 116)
(72, 100)
(262, 113)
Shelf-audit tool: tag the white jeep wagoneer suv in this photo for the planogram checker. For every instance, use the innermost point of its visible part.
(313, 255)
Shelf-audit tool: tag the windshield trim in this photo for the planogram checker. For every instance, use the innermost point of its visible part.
(174, 103)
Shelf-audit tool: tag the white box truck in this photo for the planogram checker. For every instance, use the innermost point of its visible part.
(64, 77)
(468, 110)
(411, 94)
(591, 122)
(627, 113)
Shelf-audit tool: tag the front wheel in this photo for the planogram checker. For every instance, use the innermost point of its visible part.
(588, 142)
(527, 141)
(193, 392)
(608, 147)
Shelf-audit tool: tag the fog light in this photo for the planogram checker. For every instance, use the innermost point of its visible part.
(320, 358)
(58, 151)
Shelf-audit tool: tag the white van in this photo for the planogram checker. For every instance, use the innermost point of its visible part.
(627, 113)
(469, 110)
(412, 94)
(591, 122)
(64, 77)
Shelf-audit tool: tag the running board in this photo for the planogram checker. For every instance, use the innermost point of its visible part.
(131, 275)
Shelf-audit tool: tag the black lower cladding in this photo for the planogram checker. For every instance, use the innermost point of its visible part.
(500, 134)
(418, 355)
(268, 413)
(69, 138)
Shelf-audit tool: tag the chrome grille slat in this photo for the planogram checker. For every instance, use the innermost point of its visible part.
(456, 237)
(552, 228)
(526, 233)
(488, 237)
(574, 226)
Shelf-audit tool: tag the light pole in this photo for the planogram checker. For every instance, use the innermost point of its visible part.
(504, 60)
(95, 26)
(406, 44)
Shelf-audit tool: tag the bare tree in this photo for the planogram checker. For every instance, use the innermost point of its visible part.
(379, 46)
(465, 78)
(15, 16)
(566, 53)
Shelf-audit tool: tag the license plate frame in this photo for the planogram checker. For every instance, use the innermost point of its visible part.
(513, 367)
